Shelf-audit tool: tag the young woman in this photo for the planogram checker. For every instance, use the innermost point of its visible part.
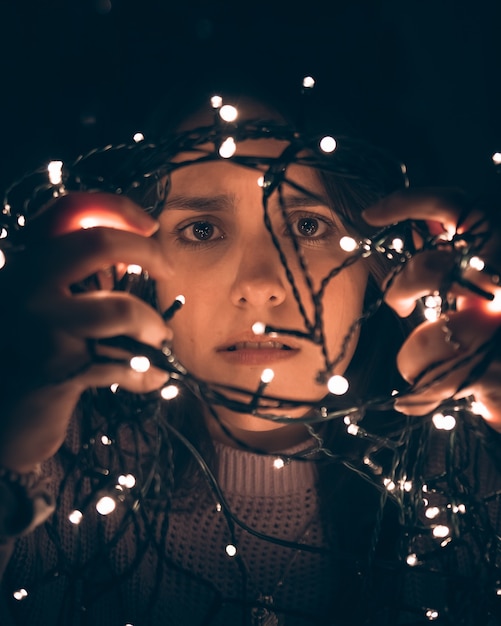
(260, 494)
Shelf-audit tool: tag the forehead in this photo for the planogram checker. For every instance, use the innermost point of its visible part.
(197, 174)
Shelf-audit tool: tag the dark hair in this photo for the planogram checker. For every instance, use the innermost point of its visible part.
(366, 174)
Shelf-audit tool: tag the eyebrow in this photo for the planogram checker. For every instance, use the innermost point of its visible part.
(226, 202)
(221, 202)
(300, 200)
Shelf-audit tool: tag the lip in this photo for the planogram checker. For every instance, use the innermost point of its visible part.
(250, 349)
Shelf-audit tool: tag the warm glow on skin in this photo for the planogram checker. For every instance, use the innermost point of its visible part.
(236, 277)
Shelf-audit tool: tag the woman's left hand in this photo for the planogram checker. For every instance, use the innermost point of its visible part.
(458, 354)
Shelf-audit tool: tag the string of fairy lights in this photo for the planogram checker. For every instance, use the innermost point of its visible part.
(438, 512)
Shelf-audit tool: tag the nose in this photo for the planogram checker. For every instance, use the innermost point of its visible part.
(260, 280)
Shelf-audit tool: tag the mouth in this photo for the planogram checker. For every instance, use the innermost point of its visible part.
(257, 351)
(257, 345)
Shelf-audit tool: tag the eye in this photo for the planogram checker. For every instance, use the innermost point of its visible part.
(308, 226)
(200, 231)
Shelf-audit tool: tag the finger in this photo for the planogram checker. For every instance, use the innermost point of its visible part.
(106, 314)
(439, 357)
(73, 257)
(442, 206)
(124, 376)
(82, 210)
(423, 274)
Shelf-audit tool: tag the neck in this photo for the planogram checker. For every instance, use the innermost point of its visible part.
(231, 428)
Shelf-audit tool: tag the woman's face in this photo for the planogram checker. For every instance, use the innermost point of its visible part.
(224, 262)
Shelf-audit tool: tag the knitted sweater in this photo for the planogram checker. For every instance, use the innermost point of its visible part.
(199, 580)
(140, 567)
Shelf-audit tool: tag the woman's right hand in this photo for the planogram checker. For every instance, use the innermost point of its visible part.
(45, 328)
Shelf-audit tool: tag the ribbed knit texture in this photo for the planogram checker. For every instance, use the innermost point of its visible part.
(197, 576)
(109, 570)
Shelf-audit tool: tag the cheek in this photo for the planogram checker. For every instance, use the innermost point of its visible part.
(342, 306)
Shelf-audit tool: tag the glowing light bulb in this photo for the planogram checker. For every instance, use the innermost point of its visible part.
(106, 441)
(431, 315)
(443, 422)
(169, 392)
(348, 244)
(431, 614)
(3, 233)
(231, 550)
(433, 301)
(6, 209)
(260, 181)
(105, 505)
(389, 484)
(20, 594)
(216, 102)
(476, 263)
(353, 429)
(180, 298)
(479, 408)
(412, 559)
(258, 328)
(308, 82)
(227, 148)
(496, 158)
(88, 222)
(397, 244)
(441, 531)
(495, 305)
(127, 480)
(338, 385)
(114, 387)
(278, 463)
(228, 113)
(328, 144)
(432, 512)
(21, 220)
(140, 364)
(219, 507)
(55, 170)
(2, 259)
(267, 375)
(75, 517)
(137, 137)
(134, 269)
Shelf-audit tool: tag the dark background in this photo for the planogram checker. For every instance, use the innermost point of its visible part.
(421, 78)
